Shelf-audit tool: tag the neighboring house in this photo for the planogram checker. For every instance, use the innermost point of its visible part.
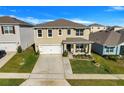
(97, 27)
(121, 31)
(62, 35)
(14, 32)
(108, 43)
(115, 28)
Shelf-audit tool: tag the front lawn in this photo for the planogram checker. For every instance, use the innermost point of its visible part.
(86, 67)
(96, 82)
(21, 62)
(11, 82)
(113, 67)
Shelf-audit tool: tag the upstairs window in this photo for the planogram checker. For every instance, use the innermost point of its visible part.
(98, 27)
(49, 33)
(68, 32)
(8, 30)
(39, 33)
(60, 32)
(79, 32)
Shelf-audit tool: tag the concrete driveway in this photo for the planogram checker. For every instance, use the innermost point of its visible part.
(48, 71)
(5, 59)
(49, 64)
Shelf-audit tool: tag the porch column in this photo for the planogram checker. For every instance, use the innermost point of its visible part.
(89, 49)
(86, 48)
(74, 48)
(65, 48)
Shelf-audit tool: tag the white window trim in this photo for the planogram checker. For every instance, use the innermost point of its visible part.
(37, 34)
(61, 32)
(9, 32)
(109, 48)
(48, 35)
(79, 34)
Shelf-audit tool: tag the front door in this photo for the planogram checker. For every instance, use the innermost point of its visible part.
(69, 47)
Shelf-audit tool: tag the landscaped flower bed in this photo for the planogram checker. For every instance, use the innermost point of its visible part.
(83, 57)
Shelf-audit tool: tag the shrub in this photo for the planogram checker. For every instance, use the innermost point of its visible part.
(19, 50)
(38, 52)
(113, 57)
(65, 54)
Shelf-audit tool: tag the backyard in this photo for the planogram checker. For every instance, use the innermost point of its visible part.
(21, 62)
(96, 82)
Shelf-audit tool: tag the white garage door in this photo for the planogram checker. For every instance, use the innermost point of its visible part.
(50, 49)
(10, 47)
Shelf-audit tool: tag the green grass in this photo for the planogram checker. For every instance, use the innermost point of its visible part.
(80, 67)
(96, 82)
(11, 82)
(21, 62)
(112, 66)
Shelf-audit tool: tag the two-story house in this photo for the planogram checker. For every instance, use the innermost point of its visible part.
(62, 35)
(14, 33)
(97, 27)
(115, 28)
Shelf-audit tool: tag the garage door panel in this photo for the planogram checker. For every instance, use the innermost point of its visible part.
(8, 47)
(50, 49)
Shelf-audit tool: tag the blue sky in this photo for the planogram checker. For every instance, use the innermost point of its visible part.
(107, 15)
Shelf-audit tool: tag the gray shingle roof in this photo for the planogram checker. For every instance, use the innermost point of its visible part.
(107, 38)
(60, 23)
(12, 20)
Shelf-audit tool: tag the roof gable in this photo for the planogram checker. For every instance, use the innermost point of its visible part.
(60, 23)
(12, 20)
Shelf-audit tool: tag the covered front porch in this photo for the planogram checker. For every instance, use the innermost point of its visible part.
(77, 46)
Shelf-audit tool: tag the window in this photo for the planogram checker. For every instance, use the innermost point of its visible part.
(39, 33)
(60, 32)
(69, 32)
(109, 49)
(49, 33)
(79, 45)
(8, 30)
(92, 27)
(79, 32)
(98, 27)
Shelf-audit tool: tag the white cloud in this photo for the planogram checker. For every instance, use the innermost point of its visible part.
(13, 10)
(115, 8)
(81, 21)
(34, 20)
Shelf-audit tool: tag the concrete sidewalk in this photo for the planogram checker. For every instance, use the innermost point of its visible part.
(95, 76)
(67, 66)
(14, 75)
(5, 59)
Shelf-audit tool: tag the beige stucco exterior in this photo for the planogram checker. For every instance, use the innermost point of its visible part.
(97, 28)
(117, 28)
(57, 39)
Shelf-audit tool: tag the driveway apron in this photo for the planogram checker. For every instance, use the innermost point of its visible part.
(48, 71)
